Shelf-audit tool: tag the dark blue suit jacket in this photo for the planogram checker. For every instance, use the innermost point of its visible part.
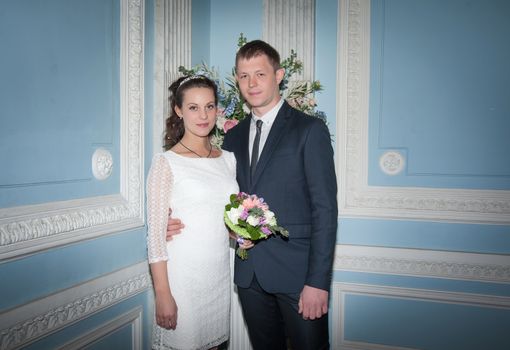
(296, 177)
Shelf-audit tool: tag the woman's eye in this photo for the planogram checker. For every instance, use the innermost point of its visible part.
(210, 107)
(193, 108)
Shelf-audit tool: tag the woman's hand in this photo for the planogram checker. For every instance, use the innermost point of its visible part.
(166, 311)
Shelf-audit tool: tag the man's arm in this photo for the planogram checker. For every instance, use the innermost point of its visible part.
(322, 187)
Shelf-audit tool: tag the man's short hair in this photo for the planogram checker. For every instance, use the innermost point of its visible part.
(256, 48)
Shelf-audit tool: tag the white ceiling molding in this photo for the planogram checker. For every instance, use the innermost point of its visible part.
(172, 49)
(28, 229)
(356, 197)
(290, 25)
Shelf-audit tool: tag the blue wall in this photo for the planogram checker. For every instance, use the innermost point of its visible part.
(439, 93)
(60, 97)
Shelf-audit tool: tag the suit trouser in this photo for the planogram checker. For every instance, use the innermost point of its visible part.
(273, 317)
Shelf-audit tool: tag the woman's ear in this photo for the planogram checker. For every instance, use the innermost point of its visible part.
(178, 112)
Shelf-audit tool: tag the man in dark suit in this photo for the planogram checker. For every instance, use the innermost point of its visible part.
(284, 284)
(285, 157)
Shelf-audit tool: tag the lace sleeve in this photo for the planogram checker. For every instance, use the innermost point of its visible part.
(159, 188)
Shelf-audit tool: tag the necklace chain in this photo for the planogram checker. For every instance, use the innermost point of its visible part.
(198, 155)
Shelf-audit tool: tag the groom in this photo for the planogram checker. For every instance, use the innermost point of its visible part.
(285, 157)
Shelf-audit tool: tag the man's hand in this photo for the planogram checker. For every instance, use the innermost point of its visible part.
(313, 303)
(173, 227)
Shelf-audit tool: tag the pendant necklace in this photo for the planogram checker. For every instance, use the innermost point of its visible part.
(198, 155)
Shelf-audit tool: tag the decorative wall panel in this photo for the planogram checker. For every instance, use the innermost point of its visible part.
(356, 197)
(28, 229)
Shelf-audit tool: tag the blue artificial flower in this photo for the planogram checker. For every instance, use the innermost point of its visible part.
(231, 106)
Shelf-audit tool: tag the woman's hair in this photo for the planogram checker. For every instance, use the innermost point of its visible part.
(175, 125)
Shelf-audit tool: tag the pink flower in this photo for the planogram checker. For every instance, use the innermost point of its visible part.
(251, 202)
(229, 124)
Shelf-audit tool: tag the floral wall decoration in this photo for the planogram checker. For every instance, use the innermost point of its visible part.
(232, 106)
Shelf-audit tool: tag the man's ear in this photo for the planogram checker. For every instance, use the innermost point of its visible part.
(280, 73)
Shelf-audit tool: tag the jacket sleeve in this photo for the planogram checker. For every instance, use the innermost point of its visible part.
(322, 185)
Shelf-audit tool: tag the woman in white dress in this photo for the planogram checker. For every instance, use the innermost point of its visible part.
(191, 273)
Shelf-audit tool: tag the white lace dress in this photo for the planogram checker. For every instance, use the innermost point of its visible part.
(196, 189)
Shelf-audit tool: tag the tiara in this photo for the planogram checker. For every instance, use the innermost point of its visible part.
(191, 77)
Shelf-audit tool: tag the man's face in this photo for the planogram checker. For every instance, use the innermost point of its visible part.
(259, 82)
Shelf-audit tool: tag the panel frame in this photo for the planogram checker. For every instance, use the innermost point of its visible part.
(356, 198)
(33, 228)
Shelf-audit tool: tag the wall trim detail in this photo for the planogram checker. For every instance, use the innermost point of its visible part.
(340, 290)
(423, 263)
(290, 24)
(132, 317)
(356, 198)
(172, 49)
(102, 163)
(30, 322)
(32, 228)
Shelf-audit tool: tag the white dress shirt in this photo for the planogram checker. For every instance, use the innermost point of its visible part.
(267, 123)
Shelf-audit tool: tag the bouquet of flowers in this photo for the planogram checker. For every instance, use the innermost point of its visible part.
(249, 217)
(232, 106)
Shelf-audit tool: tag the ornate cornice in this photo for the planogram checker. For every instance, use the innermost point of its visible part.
(39, 325)
(31, 228)
(423, 263)
(357, 199)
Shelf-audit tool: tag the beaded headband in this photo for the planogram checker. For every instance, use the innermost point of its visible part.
(191, 77)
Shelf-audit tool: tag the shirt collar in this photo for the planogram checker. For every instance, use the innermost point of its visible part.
(270, 116)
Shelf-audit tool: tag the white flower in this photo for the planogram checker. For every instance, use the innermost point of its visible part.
(246, 109)
(234, 214)
(220, 121)
(270, 219)
(252, 220)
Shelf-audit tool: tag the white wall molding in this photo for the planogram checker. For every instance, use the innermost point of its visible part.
(172, 49)
(340, 290)
(423, 263)
(29, 229)
(25, 324)
(356, 198)
(290, 24)
(132, 318)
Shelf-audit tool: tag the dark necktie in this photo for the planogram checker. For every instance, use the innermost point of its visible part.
(255, 150)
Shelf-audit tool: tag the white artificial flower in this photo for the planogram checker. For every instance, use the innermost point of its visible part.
(270, 218)
(234, 214)
(252, 220)
(246, 109)
(220, 121)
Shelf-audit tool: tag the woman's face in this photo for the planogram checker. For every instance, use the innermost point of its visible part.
(198, 111)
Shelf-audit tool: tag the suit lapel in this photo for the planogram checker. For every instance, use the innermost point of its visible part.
(273, 138)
